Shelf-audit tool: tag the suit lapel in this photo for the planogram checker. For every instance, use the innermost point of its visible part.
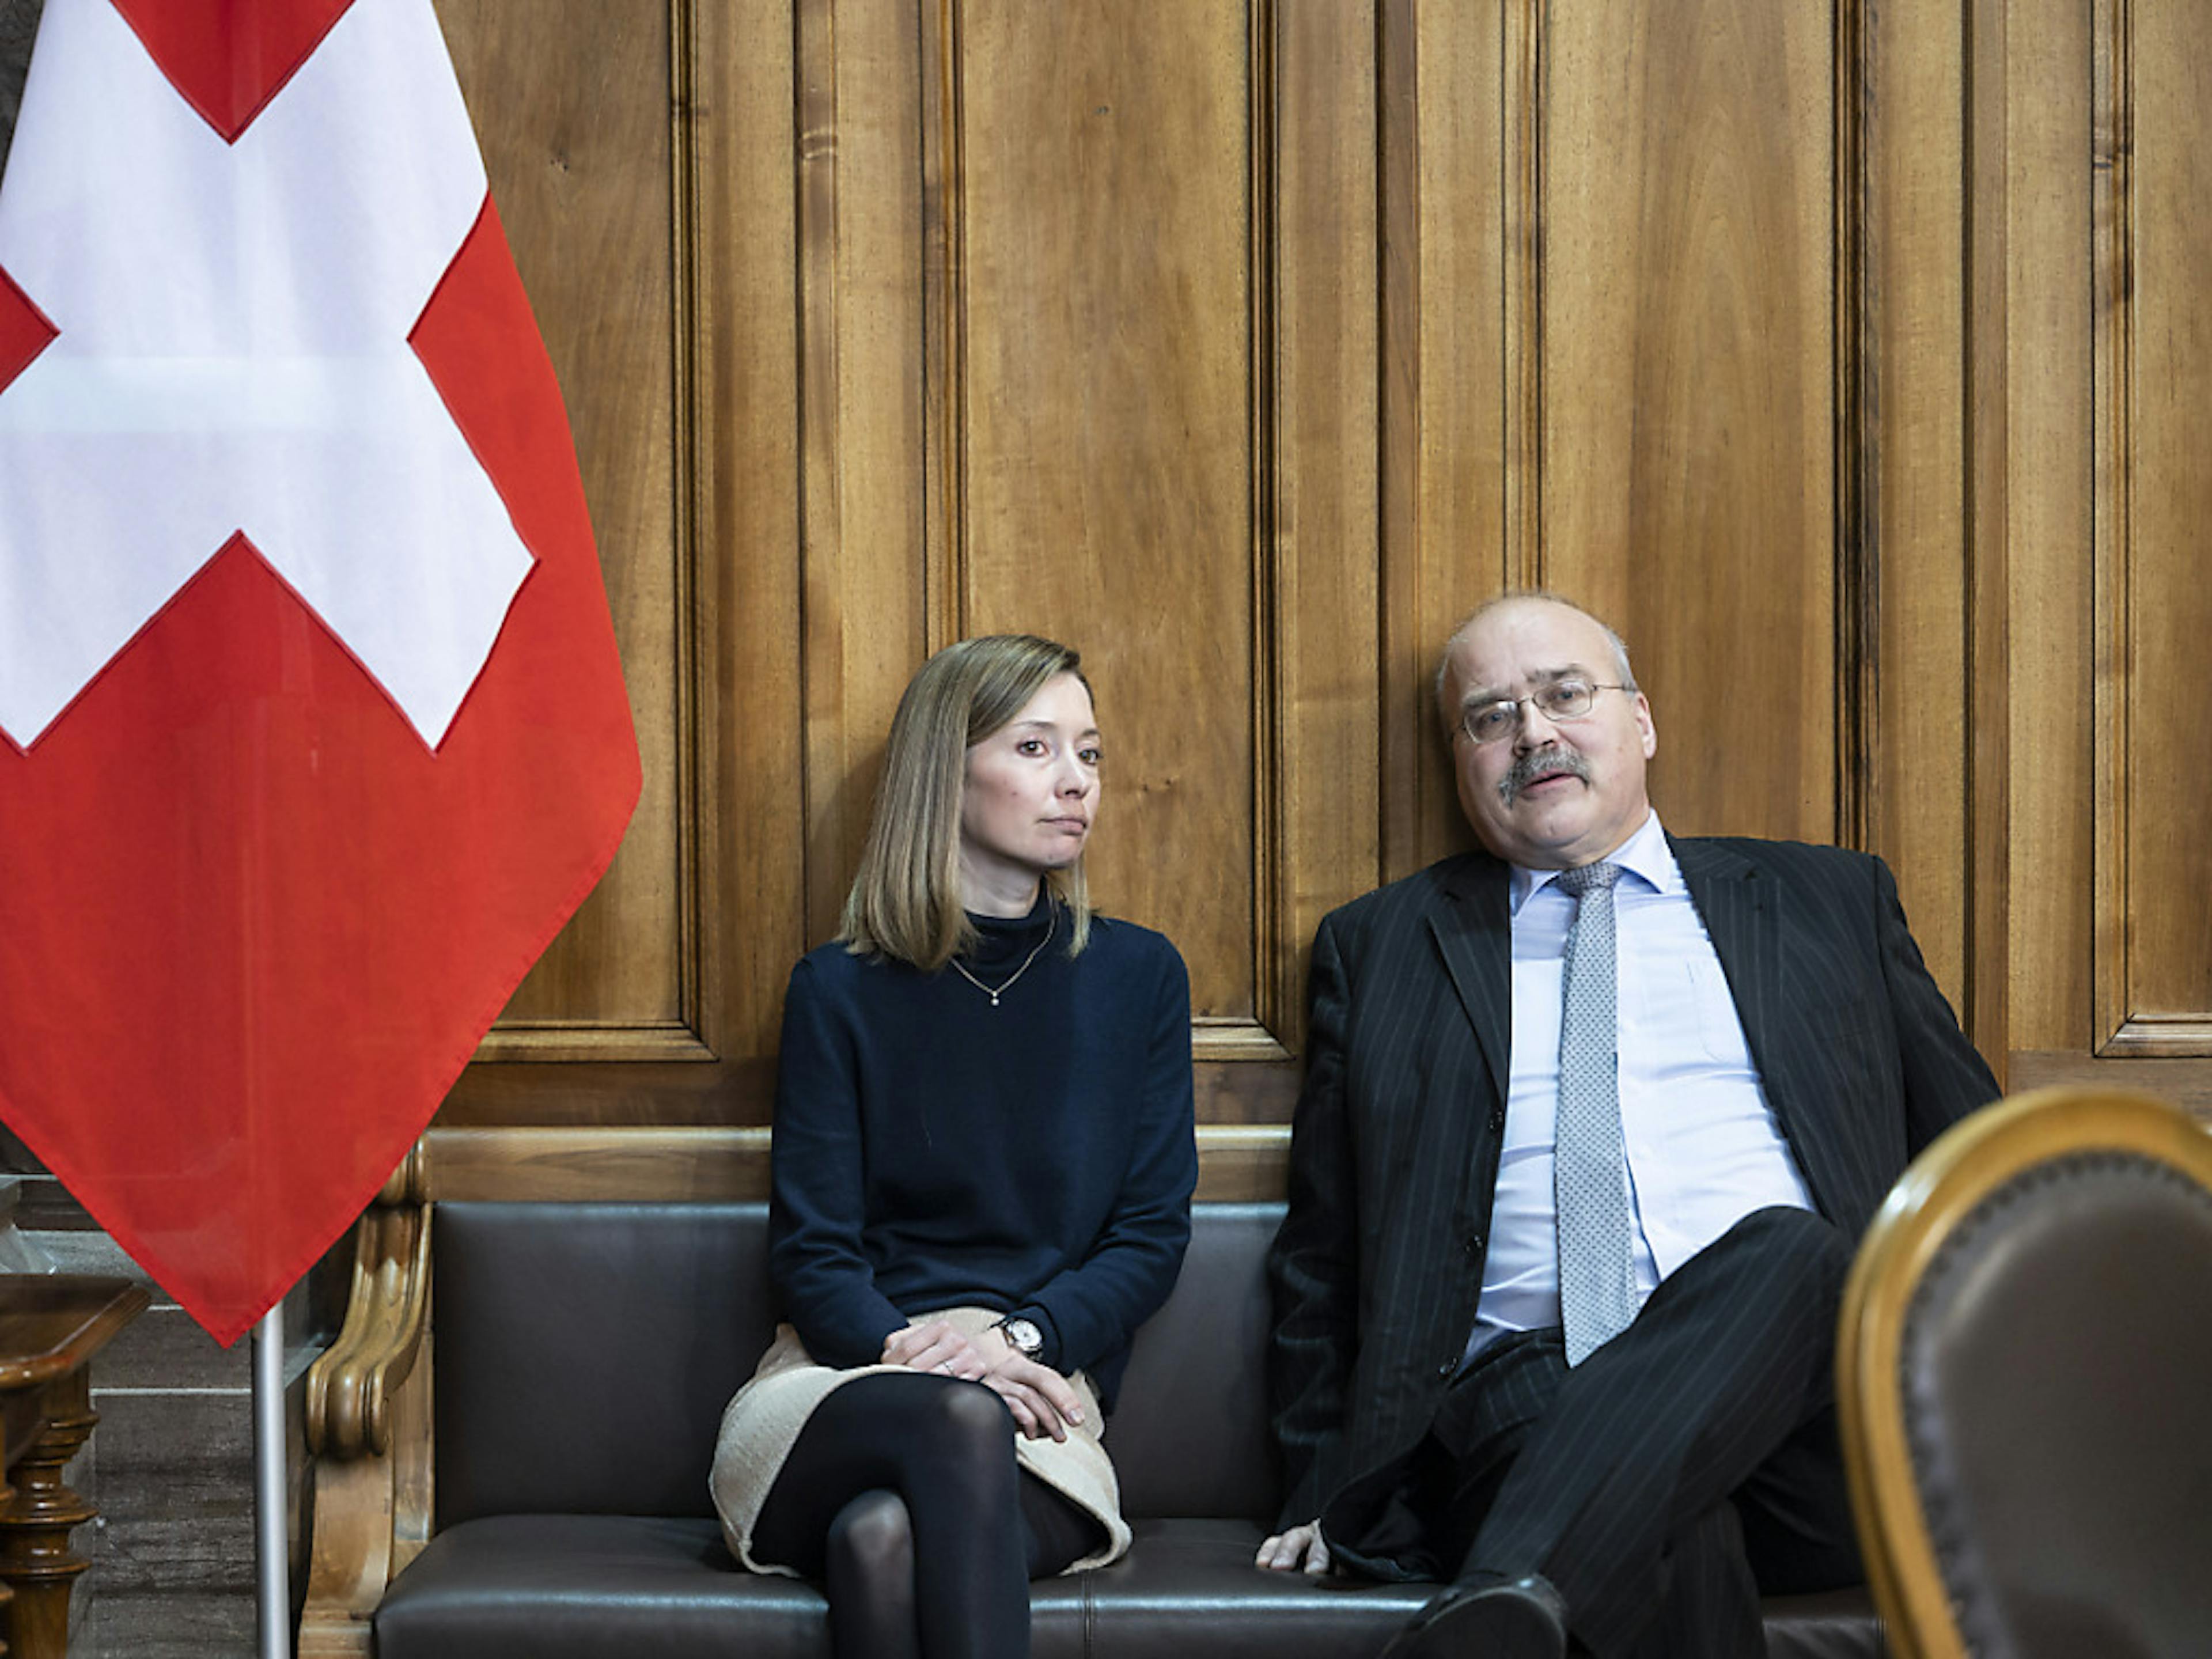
(1473, 927)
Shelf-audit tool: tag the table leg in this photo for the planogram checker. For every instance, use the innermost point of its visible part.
(36, 1562)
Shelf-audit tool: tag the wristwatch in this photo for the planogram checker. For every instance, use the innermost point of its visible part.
(1022, 1336)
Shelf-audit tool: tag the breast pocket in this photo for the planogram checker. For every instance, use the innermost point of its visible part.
(1719, 1028)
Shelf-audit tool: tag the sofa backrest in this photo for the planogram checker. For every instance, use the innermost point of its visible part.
(1189, 1434)
(583, 1353)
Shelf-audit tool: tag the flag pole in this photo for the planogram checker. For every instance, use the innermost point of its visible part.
(272, 1551)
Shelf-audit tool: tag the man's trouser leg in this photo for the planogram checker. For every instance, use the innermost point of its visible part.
(1611, 1493)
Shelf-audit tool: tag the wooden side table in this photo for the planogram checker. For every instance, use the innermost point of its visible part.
(50, 1326)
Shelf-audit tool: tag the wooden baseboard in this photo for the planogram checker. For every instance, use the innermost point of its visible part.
(2187, 1083)
(1236, 1164)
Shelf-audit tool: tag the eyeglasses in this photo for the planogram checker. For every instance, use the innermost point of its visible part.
(1559, 701)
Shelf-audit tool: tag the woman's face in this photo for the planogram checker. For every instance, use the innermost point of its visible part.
(1029, 794)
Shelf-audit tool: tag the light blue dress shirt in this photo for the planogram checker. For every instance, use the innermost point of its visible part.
(1703, 1148)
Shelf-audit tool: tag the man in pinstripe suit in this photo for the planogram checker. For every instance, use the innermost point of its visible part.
(1781, 1053)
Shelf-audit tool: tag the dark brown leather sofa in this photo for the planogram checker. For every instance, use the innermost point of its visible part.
(583, 1354)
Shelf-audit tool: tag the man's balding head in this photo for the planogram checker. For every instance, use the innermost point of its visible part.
(1553, 793)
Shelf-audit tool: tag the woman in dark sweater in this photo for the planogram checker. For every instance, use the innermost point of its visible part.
(983, 1159)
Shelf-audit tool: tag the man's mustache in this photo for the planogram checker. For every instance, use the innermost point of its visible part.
(1546, 762)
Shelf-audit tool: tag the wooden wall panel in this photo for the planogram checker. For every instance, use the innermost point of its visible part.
(736, 134)
(1249, 343)
(572, 100)
(1449, 86)
(1688, 477)
(1081, 337)
(2154, 938)
(2051, 143)
(710, 434)
(1317, 806)
(1105, 301)
(1907, 741)
(1850, 356)
(868, 561)
(1986, 991)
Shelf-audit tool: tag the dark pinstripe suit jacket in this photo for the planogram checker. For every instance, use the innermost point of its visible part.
(1395, 1152)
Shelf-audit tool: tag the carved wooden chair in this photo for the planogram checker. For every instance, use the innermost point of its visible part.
(2025, 1368)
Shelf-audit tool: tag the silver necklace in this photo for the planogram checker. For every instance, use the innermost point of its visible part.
(1007, 985)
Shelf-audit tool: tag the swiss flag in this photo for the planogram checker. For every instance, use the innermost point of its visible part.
(312, 729)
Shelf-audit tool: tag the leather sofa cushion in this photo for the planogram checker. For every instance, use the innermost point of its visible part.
(583, 1355)
(579, 1587)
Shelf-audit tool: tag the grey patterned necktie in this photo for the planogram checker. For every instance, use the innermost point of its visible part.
(1589, 1169)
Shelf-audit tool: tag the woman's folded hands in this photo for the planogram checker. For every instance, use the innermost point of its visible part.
(1042, 1401)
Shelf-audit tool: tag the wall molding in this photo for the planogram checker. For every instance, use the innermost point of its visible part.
(1237, 1163)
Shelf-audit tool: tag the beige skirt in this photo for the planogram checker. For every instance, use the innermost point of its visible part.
(762, 1420)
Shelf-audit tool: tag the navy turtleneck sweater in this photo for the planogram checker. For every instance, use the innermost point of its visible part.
(931, 1150)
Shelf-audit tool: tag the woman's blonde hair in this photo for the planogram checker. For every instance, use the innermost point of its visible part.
(905, 901)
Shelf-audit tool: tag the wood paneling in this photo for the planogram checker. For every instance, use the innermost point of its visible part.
(2155, 401)
(2187, 1082)
(712, 442)
(2049, 163)
(696, 1165)
(1688, 441)
(1448, 346)
(572, 100)
(868, 566)
(739, 137)
(1317, 813)
(1107, 309)
(1850, 356)
(1248, 343)
(1909, 745)
(1985, 987)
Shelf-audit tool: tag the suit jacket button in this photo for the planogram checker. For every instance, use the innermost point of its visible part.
(1474, 1245)
(1449, 1365)
(1496, 1121)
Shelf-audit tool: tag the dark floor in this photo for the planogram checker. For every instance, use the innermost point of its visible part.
(170, 1468)
(170, 1463)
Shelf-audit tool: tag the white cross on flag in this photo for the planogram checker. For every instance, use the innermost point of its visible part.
(312, 730)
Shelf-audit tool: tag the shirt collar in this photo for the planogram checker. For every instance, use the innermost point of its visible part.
(1645, 854)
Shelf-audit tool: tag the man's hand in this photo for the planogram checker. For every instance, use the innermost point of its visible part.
(937, 1346)
(1302, 1549)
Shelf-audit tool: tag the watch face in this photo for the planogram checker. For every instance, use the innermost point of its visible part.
(1025, 1336)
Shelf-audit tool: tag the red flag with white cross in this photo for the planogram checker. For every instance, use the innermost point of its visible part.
(312, 730)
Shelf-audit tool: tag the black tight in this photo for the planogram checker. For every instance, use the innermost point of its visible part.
(902, 1495)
